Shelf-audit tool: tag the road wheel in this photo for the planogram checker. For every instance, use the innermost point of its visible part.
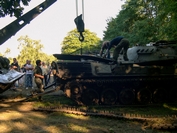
(73, 89)
(159, 95)
(126, 96)
(109, 97)
(90, 97)
(144, 96)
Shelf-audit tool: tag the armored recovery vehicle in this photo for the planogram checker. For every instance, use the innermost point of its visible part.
(149, 76)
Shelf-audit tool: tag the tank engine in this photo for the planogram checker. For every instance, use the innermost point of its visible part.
(149, 76)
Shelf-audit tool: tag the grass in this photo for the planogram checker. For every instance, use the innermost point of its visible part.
(109, 125)
(164, 109)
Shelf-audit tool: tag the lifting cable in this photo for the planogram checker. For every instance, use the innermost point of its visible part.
(79, 21)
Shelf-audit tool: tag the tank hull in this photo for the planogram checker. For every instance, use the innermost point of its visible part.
(96, 82)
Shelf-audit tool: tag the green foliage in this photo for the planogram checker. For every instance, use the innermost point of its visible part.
(12, 7)
(32, 50)
(71, 43)
(144, 21)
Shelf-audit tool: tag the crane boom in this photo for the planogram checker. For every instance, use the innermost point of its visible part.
(12, 28)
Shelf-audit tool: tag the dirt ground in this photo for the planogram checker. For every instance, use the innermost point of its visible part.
(18, 117)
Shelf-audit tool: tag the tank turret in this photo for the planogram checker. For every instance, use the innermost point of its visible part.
(159, 53)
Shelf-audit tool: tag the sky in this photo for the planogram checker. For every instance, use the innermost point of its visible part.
(52, 25)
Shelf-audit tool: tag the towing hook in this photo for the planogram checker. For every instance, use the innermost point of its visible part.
(81, 37)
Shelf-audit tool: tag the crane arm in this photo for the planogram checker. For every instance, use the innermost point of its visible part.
(11, 29)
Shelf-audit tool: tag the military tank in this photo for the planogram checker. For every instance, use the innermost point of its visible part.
(149, 76)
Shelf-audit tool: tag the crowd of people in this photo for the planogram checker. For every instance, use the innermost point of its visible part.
(38, 75)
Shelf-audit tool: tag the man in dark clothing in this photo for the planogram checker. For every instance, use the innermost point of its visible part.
(119, 43)
(39, 77)
(15, 65)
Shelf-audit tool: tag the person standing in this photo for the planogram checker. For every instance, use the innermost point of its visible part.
(45, 70)
(24, 71)
(29, 74)
(16, 67)
(120, 43)
(23, 67)
(38, 75)
(54, 70)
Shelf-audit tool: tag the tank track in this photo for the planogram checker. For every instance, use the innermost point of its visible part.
(152, 119)
(132, 84)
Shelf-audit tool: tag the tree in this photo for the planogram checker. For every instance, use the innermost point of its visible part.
(144, 21)
(32, 49)
(167, 19)
(71, 43)
(5, 53)
(12, 7)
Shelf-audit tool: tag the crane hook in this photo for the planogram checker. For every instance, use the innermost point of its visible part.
(81, 37)
(80, 26)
